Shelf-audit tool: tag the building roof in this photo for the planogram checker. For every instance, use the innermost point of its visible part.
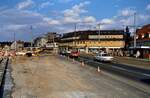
(93, 32)
(144, 29)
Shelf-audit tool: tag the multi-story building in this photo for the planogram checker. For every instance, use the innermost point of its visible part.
(17, 45)
(53, 41)
(142, 42)
(93, 39)
(48, 41)
(40, 42)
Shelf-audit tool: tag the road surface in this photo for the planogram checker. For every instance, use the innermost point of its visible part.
(56, 77)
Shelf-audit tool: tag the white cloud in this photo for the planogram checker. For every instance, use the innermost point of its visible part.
(46, 4)
(127, 12)
(51, 21)
(76, 10)
(148, 7)
(14, 27)
(125, 18)
(89, 19)
(143, 17)
(25, 4)
(74, 14)
(65, 1)
(107, 21)
(19, 21)
(67, 20)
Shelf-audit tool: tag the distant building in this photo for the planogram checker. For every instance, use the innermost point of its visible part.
(53, 40)
(5, 45)
(6, 48)
(142, 41)
(17, 45)
(51, 36)
(40, 42)
(27, 44)
(93, 39)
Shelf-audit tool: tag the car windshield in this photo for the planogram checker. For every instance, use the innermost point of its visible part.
(105, 54)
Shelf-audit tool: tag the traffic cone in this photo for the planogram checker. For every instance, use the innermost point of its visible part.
(68, 57)
(73, 59)
(98, 69)
(82, 64)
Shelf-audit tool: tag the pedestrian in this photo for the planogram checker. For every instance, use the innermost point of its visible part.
(137, 54)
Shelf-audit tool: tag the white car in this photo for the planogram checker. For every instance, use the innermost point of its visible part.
(103, 57)
(21, 53)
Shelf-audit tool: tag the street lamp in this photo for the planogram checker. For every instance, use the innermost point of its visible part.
(135, 30)
(15, 42)
(31, 37)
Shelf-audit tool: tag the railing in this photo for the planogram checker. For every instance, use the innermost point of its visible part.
(3, 67)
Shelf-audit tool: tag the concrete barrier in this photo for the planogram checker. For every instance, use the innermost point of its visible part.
(3, 67)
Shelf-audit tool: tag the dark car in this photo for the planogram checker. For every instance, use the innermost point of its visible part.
(62, 52)
(65, 53)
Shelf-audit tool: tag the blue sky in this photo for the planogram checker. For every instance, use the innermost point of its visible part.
(61, 15)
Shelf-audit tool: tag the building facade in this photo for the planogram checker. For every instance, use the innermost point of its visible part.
(17, 45)
(93, 39)
(40, 42)
(142, 42)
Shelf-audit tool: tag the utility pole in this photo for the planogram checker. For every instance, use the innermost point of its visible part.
(75, 29)
(134, 30)
(99, 32)
(31, 38)
(15, 42)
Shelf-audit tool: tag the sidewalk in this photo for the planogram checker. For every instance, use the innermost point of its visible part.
(141, 63)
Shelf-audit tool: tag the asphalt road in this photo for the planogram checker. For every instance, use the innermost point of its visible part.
(133, 72)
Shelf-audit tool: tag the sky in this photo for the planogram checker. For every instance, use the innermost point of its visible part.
(17, 16)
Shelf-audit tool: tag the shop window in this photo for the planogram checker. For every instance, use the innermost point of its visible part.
(146, 35)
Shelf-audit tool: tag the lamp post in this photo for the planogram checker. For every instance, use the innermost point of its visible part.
(15, 42)
(31, 37)
(134, 30)
(75, 29)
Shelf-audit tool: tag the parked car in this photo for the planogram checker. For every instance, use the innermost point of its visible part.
(74, 54)
(68, 53)
(64, 52)
(30, 53)
(105, 57)
(21, 53)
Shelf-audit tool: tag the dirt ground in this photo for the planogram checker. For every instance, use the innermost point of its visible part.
(55, 77)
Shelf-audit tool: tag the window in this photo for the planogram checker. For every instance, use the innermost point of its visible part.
(146, 35)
